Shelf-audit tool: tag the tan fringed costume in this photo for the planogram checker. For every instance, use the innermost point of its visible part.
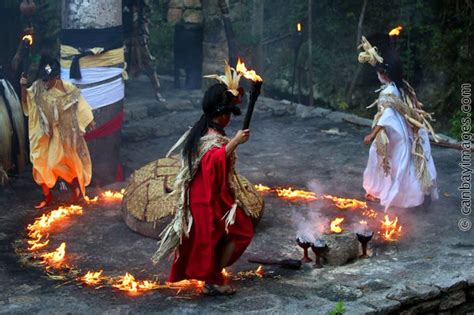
(57, 120)
(400, 170)
(245, 197)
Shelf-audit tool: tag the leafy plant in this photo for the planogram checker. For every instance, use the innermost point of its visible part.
(338, 309)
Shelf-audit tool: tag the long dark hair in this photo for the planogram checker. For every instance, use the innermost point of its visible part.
(392, 67)
(214, 98)
(53, 63)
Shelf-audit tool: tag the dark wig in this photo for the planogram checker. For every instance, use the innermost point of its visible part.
(46, 74)
(217, 101)
(392, 64)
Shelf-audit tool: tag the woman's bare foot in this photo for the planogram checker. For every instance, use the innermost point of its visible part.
(214, 289)
(371, 198)
(48, 200)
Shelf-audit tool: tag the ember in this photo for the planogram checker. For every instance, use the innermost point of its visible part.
(92, 278)
(335, 228)
(390, 230)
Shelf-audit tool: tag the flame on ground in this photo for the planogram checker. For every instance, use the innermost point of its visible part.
(262, 188)
(390, 230)
(346, 203)
(335, 228)
(112, 196)
(225, 273)
(295, 194)
(92, 278)
(129, 284)
(248, 74)
(55, 258)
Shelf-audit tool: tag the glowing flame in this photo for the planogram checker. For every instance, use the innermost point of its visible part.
(295, 194)
(260, 272)
(248, 74)
(262, 188)
(113, 196)
(129, 284)
(390, 230)
(91, 200)
(186, 284)
(370, 213)
(346, 203)
(298, 27)
(335, 228)
(363, 222)
(225, 273)
(396, 31)
(28, 39)
(92, 278)
(55, 258)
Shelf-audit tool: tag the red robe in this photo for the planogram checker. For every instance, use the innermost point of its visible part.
(210, 198)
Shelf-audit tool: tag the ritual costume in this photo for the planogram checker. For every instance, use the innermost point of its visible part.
(215, 205)
(136, 17)
(57, 120)
(400, 170)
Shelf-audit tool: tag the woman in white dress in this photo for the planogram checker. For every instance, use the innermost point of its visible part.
(400, 171)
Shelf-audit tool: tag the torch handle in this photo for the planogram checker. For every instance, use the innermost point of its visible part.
(254, 93)
(26, 60)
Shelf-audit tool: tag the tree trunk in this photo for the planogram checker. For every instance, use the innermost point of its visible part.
(359, 68)
(257, 33)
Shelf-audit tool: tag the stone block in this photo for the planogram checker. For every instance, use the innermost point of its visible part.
(174, 15)
(193, 4)
(192, 16)
(448, 283)
(422, 308)
(175, 4)
(343, 248)
(452, 299)
(413, 293)
(381, 305)
(337, 116)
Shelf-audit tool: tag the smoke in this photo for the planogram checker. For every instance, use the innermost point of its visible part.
(310, 224)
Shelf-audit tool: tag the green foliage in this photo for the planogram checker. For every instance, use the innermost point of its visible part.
(338, 309)
(161, 38)
(456, 124)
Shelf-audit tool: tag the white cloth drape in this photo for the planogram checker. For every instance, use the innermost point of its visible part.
(92, 75)
(104, 94)
(401, 187)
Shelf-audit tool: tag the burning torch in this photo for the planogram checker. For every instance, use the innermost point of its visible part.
(27, 41)
(297, 41)
(254, 90)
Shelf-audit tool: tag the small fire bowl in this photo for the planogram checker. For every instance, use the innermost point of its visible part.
(304, 245)
(364, 238)
(319, 247)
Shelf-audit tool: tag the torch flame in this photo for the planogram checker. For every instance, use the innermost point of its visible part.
(390, 230)
(298, 27)
(28, 39)
(335, 228)
(396, 31)
(248, 74)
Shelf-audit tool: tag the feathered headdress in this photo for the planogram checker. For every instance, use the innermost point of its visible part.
(369, 53)
(231, 78)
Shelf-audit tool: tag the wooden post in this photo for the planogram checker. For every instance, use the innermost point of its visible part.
(310, 53)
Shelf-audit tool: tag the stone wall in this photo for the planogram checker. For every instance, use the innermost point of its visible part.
(76, 14)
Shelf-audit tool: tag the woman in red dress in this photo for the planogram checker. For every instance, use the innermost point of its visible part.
(212, 225)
